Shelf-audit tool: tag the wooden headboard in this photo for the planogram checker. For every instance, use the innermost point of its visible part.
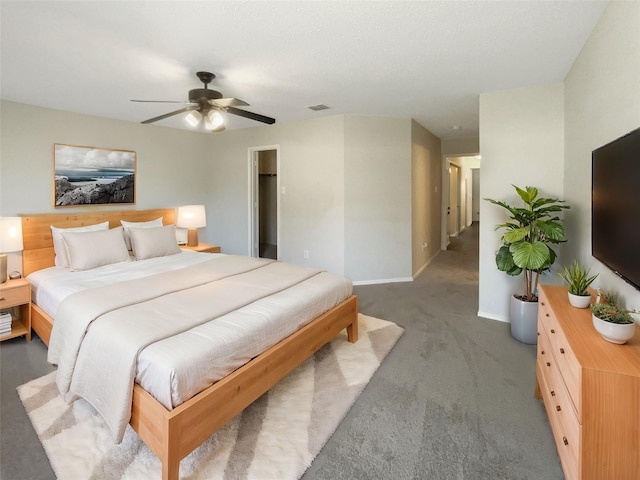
(38, 242)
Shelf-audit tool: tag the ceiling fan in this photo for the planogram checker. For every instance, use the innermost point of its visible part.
(207, 104)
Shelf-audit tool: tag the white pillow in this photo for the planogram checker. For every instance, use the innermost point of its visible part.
(127, 225)
(154, 242)
(61, 259)
(87, 250)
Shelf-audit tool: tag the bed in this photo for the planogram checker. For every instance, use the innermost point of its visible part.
(172, 433)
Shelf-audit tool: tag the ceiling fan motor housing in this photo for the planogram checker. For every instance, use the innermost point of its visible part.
(203, 95)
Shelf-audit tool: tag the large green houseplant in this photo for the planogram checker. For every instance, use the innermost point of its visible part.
(526, 245)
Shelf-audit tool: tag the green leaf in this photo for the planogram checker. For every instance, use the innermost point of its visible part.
(515, 235)
(530, 256)
(504, 262)
(528, 195)
(553, 231)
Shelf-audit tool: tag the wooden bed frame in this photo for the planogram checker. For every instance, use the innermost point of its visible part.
(172, 435)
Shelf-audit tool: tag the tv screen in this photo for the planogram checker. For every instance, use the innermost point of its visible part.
(615, 206)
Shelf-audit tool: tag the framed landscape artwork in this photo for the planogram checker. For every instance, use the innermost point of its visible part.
(93, 176)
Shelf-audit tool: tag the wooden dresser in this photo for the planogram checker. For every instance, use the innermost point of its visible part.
(590, 389)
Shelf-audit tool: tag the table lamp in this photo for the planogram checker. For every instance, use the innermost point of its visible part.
(10, 241)
(191, 217)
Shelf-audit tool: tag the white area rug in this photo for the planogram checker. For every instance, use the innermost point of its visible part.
(277, 437)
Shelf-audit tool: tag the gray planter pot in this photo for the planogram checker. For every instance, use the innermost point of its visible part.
(524, 321)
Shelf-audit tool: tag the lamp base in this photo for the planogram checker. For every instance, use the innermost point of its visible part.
(192, 237)
(3, 268)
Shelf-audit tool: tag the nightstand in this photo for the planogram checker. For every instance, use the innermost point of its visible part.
(17, 293)
(203, 247)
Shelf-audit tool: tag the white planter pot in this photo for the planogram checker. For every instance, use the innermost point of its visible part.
(614, 332)
(524, 321)
(579, 301)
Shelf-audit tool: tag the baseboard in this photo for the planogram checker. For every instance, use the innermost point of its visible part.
(383, 280)
(490, 316)
(417, 274)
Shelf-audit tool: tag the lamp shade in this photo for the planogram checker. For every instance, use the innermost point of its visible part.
(10, 234)
(191, 216)
(213, 120)
(193, 118)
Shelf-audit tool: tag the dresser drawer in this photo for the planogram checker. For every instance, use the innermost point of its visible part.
(10, 297)
(561, 351)
(564, 423)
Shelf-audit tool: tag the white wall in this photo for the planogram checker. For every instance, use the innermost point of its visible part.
(602, 102)
(521, 143)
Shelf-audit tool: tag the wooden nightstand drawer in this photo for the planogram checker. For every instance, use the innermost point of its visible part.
(17, 293)
(12, 296)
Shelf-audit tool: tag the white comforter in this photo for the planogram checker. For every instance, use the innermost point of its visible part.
(187, 318)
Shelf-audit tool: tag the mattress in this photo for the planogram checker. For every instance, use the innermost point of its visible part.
(176, 368)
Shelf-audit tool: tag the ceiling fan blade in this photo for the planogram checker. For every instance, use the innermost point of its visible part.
(221, 128)
(161, 101)
(171, 114)
(228, 102)
(253, 116)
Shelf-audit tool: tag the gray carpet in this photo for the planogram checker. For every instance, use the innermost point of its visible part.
(453, 399)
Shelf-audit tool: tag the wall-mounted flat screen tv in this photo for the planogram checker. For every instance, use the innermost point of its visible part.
(615, 206)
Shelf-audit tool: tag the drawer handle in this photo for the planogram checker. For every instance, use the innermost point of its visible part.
(548, 364)
(546, 314)
(542, 303)
(541, 352)
(2, 299)
(553, 393)
(558, 408)
(562, 350)
(565, 441)
(553, 331)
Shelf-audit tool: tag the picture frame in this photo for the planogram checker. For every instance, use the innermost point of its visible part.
(93, 176)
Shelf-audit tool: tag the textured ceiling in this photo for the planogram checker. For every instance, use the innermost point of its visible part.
(428, 60)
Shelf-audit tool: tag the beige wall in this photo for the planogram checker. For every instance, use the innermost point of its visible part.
(602, 103)
(169, 161)
(426, 196)
(377, 198)
(461, 146)
(345, 182)
(522, 143)
(311, 213)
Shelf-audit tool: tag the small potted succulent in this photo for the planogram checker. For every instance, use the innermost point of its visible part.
(578, 280)
(614, 323)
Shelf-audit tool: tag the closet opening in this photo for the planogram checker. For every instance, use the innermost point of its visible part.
(264, 202)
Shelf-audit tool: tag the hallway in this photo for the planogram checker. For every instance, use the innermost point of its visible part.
(454, 398)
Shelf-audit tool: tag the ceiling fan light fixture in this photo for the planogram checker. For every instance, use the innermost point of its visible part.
(213, 120)
(193, 118)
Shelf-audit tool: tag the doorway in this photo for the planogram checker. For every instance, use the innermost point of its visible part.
(460, 195)
(264, 202)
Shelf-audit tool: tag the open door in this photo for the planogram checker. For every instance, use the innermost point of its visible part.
(453, 220)
(264, 202)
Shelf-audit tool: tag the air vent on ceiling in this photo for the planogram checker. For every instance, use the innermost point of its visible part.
(315, 108)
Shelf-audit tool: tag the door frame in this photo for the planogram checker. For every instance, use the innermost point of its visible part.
(254, 199)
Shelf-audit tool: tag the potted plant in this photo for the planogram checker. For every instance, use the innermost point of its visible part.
(614, 323)
(578, 280)
(530, 231)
